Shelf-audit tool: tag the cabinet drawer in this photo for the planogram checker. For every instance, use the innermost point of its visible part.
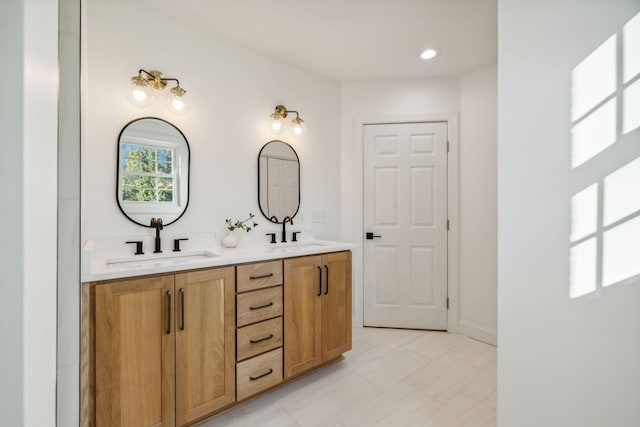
(259, 373)
(255, 306)
(259, 275)
(259, 337)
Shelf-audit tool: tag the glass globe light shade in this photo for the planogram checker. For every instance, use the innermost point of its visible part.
(296, 126)
(276, 125)
(139, 93)
(175, 100)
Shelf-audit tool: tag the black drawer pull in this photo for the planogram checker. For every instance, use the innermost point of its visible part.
(182, 309)
(168, 312)
(258, 307)
(270, 371)
(327, 279)
(264, 276)
(256, 341)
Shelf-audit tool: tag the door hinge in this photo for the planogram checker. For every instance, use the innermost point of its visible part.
(447, 303)
(447, 146)
(448, 225)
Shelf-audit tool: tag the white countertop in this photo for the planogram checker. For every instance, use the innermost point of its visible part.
(113, 259)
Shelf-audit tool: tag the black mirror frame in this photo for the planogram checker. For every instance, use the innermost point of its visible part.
(259, 205)
(186, 141)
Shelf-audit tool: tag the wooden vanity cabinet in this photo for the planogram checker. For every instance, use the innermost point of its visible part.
(336, 305)
(317, 310)
(205, 343)
(134, 353)
(173, 349)
(161, 340)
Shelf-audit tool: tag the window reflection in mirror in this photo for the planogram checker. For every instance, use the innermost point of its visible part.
(278, 181)
(153, 171)
(148, 174)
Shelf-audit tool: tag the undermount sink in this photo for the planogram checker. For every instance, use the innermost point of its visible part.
(138, 261)
(300, 246)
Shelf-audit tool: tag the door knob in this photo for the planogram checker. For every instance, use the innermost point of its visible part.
(371, 236)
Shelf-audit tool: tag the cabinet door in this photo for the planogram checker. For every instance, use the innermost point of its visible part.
(302, 314)
(205, 342)
(134, 352)
(336, 305)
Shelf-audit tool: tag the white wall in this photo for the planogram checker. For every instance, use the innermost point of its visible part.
(232, 90)
(379, 101)
(473, 96)
(478, 204)
(563, 361)
(40, 209)
(68, 360)
(11, 226)
(28, 258)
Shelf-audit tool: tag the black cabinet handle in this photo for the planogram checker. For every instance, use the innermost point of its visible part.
(168, 312)
(256, 341)
(258, 307)
(182, 309)
(320, 283)
(270, 371)
(261, 277)
(327, 279)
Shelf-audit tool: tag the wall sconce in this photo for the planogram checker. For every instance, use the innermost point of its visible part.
(277, 120)
(140, 93)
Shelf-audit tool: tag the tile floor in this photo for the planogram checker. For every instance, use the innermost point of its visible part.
(391, 377)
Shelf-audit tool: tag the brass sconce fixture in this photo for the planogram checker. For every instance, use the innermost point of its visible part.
(277, 120)
(140, 93)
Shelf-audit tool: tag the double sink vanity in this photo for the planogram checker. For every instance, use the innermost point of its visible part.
(170, 338)
(173, 340)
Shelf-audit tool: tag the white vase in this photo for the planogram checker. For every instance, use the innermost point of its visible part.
(230, 240)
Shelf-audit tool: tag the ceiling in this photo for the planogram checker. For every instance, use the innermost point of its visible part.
(354, 39)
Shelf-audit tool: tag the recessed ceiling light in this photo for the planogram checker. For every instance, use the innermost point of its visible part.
(429, 53)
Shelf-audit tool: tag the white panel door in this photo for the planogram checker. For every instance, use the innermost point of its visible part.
(282, 187)
(291, 187)
(405, 204)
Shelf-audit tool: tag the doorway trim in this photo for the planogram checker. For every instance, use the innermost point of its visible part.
(453, 209)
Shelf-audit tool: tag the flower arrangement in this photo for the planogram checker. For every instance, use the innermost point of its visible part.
(242, 225)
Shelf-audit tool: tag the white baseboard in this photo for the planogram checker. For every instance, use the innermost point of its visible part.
(478, 332)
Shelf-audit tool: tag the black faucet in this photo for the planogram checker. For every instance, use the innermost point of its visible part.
(176, 244)
(273, 237)
(284, 228)
(138, 244)
(157, 223)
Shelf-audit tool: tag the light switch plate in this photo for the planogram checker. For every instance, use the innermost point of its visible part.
(319, 216)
